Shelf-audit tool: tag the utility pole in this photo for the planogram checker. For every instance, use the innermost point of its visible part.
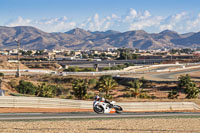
(126, 53)
(0, 83)
(18, 74)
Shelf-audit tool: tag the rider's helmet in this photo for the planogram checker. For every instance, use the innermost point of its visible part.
(96, 98)
(103, 99)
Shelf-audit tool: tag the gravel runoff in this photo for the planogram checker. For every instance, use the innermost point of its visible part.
(133, 125)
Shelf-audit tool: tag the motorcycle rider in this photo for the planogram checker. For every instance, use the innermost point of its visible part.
(101, 99)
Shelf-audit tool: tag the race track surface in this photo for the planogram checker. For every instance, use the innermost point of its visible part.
(91, 115)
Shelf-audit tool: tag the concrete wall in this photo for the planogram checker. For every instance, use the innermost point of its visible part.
(38, 102)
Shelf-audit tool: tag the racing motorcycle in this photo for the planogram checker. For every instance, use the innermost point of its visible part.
(101, 107)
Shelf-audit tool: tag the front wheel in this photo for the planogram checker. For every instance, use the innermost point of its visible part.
(118, 109)
(98, 109)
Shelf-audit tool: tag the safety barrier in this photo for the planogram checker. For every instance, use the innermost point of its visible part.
(159, 106)
(39, 102)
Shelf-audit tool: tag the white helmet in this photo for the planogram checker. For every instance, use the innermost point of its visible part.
(102, 99)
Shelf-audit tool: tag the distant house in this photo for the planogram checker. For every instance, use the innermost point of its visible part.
(62, 58)
(4, 53)
(13, 52)
(196, 53)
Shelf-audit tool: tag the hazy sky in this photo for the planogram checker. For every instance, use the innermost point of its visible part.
(122, 15)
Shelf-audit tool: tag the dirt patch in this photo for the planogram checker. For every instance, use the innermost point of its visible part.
(13, 65)
(195, 75)
(46, 110)
(139, 125)
(57, 110)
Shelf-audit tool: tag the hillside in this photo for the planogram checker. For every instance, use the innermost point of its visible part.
(76, 39)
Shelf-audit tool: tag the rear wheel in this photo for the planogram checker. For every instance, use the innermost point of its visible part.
(98, 109)
(118, 109)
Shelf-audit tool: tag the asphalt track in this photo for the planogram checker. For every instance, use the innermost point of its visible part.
(91, 115)
(171, 75)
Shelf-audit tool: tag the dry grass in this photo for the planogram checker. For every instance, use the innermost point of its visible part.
(139, 125)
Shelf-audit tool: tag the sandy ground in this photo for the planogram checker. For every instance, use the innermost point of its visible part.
(137, 125)
(47, 110)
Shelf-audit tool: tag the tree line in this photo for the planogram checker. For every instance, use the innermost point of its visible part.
(105, 85)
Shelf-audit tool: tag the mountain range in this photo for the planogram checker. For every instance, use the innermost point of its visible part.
(79, 39)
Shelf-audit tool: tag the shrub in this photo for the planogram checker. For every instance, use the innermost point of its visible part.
(72, 69)
(129, 64)
(192, 90)
(135, 88)
(77, 69)
(87, 69)
(106, 68)
(173, 94)
(79, 87)
(13, 83)
(92, 81)
(69, 97)
(1, 74)
(108, 96)
(153, 96)
(62, 80)
(45, 90)
(144, 82)
(144, 96)
(16, 94)
(26, 87)
(90, 95)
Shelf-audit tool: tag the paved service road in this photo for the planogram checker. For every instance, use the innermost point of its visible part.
(88, 115)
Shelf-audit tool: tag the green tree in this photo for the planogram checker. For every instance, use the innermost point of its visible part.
(135, 88)
(135, 56)
(144, 82)
(72, 69)
(106, 83)
(45, 90)
(72, 53)
(79, 87)
(191, 90)
(189, 86)
(183, 81)
(1, 74)
(127, 54)
(124, 54)
(39, 52)
(26, 87)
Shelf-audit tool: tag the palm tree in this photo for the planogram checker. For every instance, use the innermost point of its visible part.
(135, 88)
(79, 87)
(106, 83)
(192, 90)
(46, 90)
(183, 81)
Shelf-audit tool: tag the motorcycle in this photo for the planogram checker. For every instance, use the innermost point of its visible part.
(101, 107)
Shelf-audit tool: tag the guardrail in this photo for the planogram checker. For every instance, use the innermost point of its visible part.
(39, 102)
(27, 70)
(97, 73)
